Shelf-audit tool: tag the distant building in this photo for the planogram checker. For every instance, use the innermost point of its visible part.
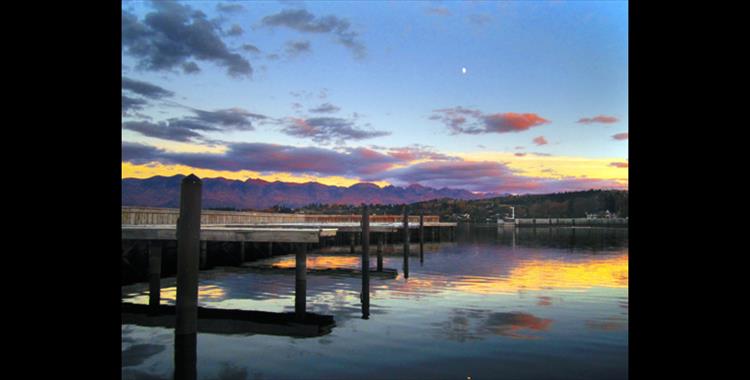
(462, 216)
(601, 215)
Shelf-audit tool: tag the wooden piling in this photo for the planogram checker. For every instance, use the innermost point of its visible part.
(300, 282)
(351, 242)
(365, 262)
(242, 252)
(270, 248)
(188, 252)
(406, 243)
(204, 255)
(154, 275)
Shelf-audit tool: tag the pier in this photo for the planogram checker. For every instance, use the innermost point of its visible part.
(194, 239)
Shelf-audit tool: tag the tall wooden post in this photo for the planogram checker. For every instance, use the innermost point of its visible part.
(406, 243)
(300, 282)
(270, 248)
(204, 254)
(188, 251)
(351, 242)
(242, 252)
(365, 262)
(154, 275)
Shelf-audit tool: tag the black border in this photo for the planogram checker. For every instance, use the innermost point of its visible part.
(77, 296)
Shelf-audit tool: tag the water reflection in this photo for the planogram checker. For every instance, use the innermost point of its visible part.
(547, 300)
(472, 324)
(138, 353)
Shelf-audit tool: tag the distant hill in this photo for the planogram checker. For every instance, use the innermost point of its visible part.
(575, 204)
(257, 194)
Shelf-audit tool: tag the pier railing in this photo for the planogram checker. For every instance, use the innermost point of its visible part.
(154, 215)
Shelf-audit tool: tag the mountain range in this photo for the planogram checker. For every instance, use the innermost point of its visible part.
(258, 194)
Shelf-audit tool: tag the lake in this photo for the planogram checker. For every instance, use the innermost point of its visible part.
(544, 303)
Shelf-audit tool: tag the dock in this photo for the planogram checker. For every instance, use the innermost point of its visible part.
(155, 240)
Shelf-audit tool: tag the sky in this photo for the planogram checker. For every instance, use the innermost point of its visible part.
(487, 96)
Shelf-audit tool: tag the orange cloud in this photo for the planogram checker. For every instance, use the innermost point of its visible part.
(540, 140)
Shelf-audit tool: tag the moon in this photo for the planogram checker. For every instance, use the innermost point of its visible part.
(463, 70)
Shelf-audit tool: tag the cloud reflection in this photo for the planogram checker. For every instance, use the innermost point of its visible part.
(477, 324)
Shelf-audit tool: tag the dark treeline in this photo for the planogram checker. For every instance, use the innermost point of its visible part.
(558, 205)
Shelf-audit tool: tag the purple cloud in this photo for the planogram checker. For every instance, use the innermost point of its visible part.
(468, 121)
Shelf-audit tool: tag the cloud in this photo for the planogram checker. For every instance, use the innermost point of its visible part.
(250, 48)
(132, 104)
(620, 136)
(305, 22)
(232, 118)
(162, 130)
(190, 128)
(327, 129)
(540, 140)
(172, 35)
(145, 89)
(417, 152)
(229, 8)
(598, 119)
(235, 30)
(486, 176)
(268, 158)
(519, 154)
(326, 108)
(472, 175)
(619, 164)
(294, 48)
(468, 121)
(366, 164)
(512, 122)
(190, 68)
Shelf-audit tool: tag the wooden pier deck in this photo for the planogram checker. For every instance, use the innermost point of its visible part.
(230, 233)
(150, 223)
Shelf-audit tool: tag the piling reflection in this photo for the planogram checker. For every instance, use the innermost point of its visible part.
(185, 356)
(300, 283)
(365, 294)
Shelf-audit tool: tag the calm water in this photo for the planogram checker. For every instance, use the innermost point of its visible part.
(537, 304)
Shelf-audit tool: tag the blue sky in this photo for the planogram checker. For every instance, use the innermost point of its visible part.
(558, 61)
